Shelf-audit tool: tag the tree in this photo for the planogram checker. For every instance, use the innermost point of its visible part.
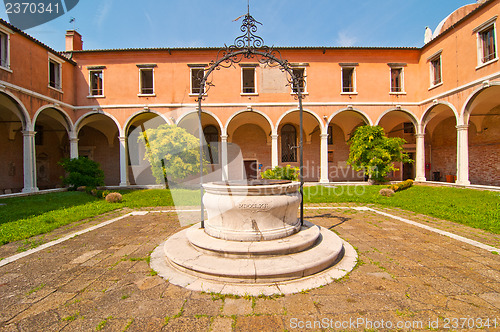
(172, 152)
(373, 152)
(82, 172)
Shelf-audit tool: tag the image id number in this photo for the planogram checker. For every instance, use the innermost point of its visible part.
(31, 8)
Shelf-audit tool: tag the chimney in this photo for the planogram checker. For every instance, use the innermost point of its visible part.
(73, 41)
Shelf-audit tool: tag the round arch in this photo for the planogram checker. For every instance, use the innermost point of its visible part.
(234, 115)
(143, 111)
(79, 125)
(467, 106)
(412, 116)
(68, 123)
(316, 116)
(213, 115)
(363, 115)
(23, 114)
(426, 117)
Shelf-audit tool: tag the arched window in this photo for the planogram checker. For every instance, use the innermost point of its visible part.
(212, 138)
(288, 143)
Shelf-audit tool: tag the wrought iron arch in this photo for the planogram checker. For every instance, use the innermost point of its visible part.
(251, 46)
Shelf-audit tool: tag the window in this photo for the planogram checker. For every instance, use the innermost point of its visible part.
(300, 74)
(486, 42)
(4, 50)
(248, 80)
(146, 80)
(408, 128)
(396, 80)
(197, 75)
(288, 143)
(435, 69)
(212, 138)
(54, 74)
(96, 83)
(348, 78)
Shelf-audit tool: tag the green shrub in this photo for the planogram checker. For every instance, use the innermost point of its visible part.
(82, 172)
(401, 186)
(282, 173)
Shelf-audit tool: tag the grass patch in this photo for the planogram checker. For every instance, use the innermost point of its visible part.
(24, 217)
(474, 208)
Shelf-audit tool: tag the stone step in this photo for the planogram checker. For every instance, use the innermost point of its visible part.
(260, 269)
(297, 242)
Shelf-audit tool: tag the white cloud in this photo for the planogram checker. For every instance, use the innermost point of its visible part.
(103, 11)
(345, 40)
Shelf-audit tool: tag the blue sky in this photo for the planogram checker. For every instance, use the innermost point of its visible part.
(209, 23)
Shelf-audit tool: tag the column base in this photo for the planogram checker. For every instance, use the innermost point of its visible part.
(122, 184)
(30, 190)
(420, 179)
(463, 183)
(324, 181)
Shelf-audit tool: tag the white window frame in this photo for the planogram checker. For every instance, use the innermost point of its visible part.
(249, 66)
(191, 68)
(431, 59)
(400, 66)
(149, 67)
(92, 70)
(6, 65)
(302, 66)
(479, 30)
(354, 85)
(58, 63)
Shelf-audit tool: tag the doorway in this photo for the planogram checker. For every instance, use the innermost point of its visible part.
(408, 169)
(251, 169)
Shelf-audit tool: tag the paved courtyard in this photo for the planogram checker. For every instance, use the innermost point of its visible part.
(407, 277)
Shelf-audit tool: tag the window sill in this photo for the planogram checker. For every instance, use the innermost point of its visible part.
(435, 86)
(146, 95)
(349, 93)
(249, 94)
(486, 63)
(97, 96)
(303, 93)
(55, 89)
(6, 69)
(196, 94)
(397, 93)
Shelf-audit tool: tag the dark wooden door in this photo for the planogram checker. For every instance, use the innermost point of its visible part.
(251, 169)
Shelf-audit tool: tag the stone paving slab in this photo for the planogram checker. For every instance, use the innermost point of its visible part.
(409, 276)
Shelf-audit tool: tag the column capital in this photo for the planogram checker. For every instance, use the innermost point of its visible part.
(28, 132)
(122, 138)
(224, 137)
(323, 136)
(420, 135)
(462, 127)
(274, 136)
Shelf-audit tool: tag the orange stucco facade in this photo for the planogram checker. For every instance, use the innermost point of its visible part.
(450, 119)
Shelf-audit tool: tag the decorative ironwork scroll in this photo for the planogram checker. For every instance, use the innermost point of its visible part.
(251, 46)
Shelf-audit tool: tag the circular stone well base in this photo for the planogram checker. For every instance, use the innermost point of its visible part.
(308, 259)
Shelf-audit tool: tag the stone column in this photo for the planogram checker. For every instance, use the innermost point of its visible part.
(29, 162)
(274, 150)
(420, 158)
(73, 146)
(463, 155)
(223, 150)
(324, 159)
(123, 161)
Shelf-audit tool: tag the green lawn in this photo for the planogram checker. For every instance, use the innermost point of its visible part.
(475, 208)
(24, 217)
